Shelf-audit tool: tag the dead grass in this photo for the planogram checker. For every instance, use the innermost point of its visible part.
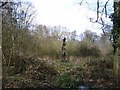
(90, 71)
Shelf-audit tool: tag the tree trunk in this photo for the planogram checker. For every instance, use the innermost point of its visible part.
(116, 37)
(64, 50)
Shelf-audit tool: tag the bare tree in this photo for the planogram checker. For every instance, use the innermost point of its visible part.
(15, 29)
(101, 12)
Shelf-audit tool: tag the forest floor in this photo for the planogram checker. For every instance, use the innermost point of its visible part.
(39, 73)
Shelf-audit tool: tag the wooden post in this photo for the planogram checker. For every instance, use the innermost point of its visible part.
(64, 49)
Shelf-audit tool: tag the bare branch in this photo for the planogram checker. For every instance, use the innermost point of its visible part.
(97, 10)
(81, 2)
(3, 4)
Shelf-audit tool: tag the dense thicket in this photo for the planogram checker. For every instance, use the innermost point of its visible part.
(16, 20)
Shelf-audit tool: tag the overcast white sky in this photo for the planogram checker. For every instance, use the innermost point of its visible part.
(66, 13)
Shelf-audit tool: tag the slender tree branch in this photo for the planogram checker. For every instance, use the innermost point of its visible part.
(3, 4)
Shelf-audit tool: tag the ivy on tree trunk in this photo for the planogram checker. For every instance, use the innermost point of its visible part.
(64, 49)
(116, 37)
(116, 27)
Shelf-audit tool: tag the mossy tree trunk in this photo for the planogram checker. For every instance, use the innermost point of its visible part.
(116, 37)
(64, 49)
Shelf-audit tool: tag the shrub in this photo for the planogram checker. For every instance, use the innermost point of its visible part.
(71, 48)
(86, 50)
(101, 63)
(66, 81)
